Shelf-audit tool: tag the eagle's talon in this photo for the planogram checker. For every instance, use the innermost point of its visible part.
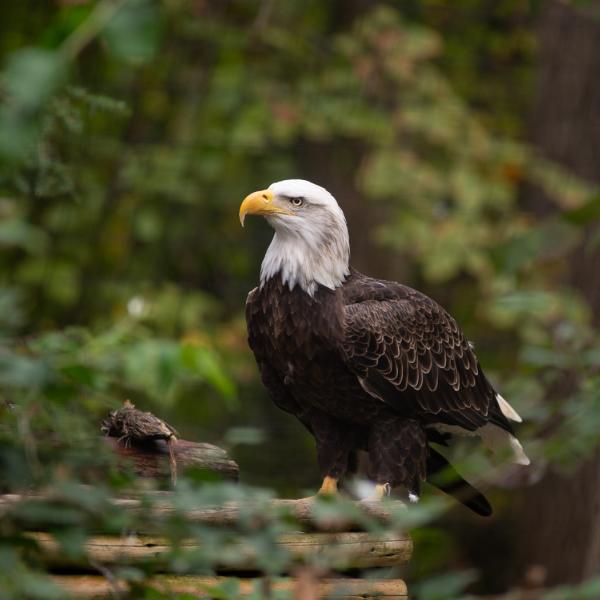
(328, 487)
(381, 491)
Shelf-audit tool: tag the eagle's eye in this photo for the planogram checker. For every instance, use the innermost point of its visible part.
(298, 201)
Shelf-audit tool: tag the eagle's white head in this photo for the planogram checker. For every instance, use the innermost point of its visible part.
(310, 245)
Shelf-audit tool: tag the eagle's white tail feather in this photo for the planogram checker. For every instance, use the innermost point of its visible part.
(507, 410)
(496, 439)
(519, 454)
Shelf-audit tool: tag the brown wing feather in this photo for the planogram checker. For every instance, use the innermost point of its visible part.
(409, 352)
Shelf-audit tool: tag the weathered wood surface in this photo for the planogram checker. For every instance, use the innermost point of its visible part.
(95, 587)
(151, 457)
(228, 514)
(302, 510)
(339, 550)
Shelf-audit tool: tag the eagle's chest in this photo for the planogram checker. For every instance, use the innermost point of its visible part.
(298, 339)
(299, 335)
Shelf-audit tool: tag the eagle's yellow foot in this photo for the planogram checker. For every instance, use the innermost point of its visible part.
(381, 491)
(329, 486)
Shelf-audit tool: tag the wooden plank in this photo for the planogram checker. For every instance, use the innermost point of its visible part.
(95, 587)
(338, 550)
(228, 514)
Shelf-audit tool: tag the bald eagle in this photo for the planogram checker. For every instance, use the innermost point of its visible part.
(363, 363)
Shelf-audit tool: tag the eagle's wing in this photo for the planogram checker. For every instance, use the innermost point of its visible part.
(409, 352)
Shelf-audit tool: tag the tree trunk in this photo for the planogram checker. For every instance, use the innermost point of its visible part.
(559, 524)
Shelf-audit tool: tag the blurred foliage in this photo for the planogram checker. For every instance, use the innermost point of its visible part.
(129, 132)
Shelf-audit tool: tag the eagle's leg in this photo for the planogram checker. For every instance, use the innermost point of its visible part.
(336, 443)
(398, 453)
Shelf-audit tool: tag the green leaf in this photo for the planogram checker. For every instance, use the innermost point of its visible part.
(21, 234)
(31, 76)
(133, 34)
(445, 587)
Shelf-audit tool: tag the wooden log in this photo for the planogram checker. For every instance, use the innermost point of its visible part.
(95, 587)
(302, 510)
(151, 458)
(228, 514)
(341, 551)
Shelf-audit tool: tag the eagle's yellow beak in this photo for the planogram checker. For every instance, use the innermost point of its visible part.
(260, 203)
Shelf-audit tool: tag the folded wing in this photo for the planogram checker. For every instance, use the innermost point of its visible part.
(408, 351)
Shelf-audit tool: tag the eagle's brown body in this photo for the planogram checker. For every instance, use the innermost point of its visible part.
(365, 364)
(371, 365)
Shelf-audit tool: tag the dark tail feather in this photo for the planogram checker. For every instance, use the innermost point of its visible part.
(444, 476)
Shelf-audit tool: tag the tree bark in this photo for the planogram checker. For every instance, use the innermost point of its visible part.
(559, 524)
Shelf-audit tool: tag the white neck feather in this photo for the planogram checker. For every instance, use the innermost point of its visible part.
(308, 258)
